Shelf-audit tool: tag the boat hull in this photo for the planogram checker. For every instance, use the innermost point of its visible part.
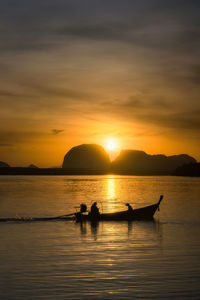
(145, 213)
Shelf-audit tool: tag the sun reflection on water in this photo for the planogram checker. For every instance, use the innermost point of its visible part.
(111, 193)
(111, 188)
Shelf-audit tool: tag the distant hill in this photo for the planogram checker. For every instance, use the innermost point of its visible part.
(89, 157)
(32, 166)
(188, 170)
(140, 163)
(4, 165)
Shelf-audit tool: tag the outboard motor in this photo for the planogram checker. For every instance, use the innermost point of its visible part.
(83, 208)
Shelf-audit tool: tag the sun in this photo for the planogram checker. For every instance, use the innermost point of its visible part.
(111, 145)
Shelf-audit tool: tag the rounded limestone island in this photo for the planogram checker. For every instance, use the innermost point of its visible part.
(88, 157)
(4, 165)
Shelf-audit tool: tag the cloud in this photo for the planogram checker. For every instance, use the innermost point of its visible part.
(6, 145)
(30, 96)
(39, 26)
(57, 131)
(90, 58)
(193, 75)
(54, 90)
(161, 113)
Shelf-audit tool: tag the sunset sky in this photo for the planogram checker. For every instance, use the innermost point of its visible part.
(91, 71)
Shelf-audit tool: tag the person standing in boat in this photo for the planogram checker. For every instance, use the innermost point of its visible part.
(130, 209)
(94, 210)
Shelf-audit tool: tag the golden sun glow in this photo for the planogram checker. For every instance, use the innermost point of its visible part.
(111, 144)
(112, 147)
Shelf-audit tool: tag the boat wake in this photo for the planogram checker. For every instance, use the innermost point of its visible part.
(35, 219)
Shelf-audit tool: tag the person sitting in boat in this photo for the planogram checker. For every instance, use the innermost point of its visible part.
(130, 209)
(94, 210)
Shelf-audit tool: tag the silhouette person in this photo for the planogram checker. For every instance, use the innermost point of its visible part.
(94, 210)
(130, 209)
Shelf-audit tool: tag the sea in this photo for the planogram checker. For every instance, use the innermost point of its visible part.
(111, 260)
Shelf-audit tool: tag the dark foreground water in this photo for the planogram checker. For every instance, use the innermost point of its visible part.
(64, 260)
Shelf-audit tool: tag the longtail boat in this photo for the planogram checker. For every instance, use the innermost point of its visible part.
(144, 213)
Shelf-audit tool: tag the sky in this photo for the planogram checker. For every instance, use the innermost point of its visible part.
(87, 71)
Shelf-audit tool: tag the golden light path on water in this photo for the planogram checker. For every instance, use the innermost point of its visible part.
(111, 195)
(69, 260)
(114, 198)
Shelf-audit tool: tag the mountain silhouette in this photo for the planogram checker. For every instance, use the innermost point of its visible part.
(140, 163)
(188, 170)
(4, 165)
(92, 159)
(87, 157)
(32, 166)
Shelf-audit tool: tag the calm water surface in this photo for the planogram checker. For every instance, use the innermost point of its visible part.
(64, 260)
